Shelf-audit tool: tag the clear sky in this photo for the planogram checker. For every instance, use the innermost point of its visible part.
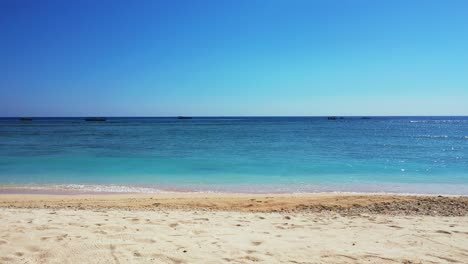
(213, 58)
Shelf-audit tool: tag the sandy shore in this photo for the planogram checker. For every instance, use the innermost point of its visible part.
(229, 228)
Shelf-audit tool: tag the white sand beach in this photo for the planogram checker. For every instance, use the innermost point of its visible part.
(104, 234)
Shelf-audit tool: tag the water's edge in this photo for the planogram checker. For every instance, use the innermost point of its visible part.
(361, 188)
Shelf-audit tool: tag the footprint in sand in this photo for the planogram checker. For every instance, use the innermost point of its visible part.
(250, 258)
(202, 219)
(443, 232)
(61, 237)
(256, 243)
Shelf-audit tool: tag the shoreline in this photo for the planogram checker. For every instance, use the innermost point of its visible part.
(77, 193)
(406, 189)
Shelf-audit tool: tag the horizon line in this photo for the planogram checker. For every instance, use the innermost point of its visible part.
(195, 116)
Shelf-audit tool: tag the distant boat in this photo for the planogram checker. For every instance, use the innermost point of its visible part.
(95, 119)
(332, 118)
(25, 118)
(184, 117)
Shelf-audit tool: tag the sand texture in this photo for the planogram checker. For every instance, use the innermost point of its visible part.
(102, 232)
(347, 204)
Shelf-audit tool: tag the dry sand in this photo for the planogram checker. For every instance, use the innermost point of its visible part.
(228, 228)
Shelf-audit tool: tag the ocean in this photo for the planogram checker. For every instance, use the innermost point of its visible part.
(424, 155)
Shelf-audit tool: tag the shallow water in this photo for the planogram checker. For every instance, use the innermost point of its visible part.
(274, 154)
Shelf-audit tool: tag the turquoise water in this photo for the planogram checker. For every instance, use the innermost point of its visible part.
(274, 154)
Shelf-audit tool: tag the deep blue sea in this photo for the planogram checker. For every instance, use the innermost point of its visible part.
(237, 154)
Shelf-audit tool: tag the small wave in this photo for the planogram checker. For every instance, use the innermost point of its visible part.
(440, 121)
(110, 188)
(90, 188)
(433, 136)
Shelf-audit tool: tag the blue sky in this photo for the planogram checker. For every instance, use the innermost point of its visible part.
(212, 58)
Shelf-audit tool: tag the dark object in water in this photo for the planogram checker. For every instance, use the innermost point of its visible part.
(25, 118)
(365, 117)
(95, 119)
(332, 118)
(184, 117)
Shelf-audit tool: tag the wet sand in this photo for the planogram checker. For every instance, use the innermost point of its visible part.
(233, 228)
(343, 203)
